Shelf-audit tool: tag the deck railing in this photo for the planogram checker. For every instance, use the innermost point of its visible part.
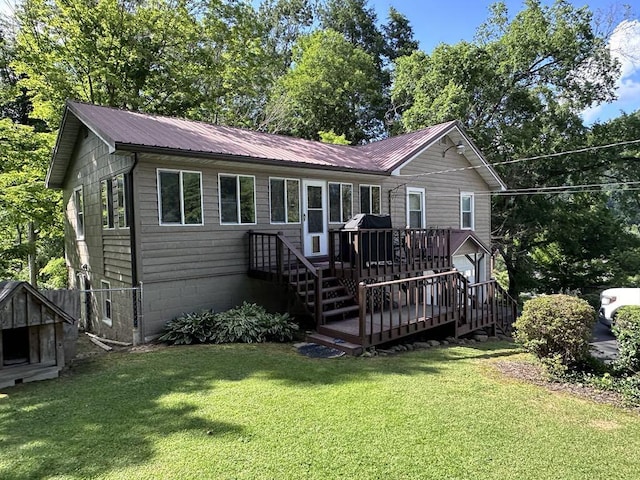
(273, 255)
(396, 308)
(370, 253)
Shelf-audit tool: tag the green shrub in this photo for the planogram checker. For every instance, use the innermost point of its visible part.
(190, 328)
(557, 329)
(627, 331)
(248, 323)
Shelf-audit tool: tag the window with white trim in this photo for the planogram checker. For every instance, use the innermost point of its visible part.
(106, 194)
(121, 195)
(179, 197)
(370, 199)
(284, 200)
(467, 211)
(105, 293)
(416, 217)
(340, 202)
(237, 199)
(78, 199)
(113, 197)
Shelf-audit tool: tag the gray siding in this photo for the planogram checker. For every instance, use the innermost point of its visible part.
(194, 267)
(105, 253)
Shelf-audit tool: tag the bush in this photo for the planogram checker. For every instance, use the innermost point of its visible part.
(627, 331)
(248, 323)
(190, 328)
(557, 329)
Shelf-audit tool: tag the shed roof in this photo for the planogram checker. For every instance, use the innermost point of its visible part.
(9, 288)
(460, 237)
(127, 131)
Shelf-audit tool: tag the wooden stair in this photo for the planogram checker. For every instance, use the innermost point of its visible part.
(336, 301)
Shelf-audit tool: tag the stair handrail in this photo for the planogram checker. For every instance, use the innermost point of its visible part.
(315, 272)
(298, 254)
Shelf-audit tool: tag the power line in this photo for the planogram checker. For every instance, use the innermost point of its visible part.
(518, 160)
(559, 189)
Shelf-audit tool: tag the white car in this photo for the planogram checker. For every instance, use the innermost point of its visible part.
(614, 298)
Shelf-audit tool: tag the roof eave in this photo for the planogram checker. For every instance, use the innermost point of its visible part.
(499, 183)
(61, 157)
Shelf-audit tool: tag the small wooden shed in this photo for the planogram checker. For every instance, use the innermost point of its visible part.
(32, 335)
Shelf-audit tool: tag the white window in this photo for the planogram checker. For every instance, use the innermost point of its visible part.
(416, 217)
(284, 195)
(467, 220)
(370, 199)
(340, 202)
(106, 194)
(237, 199)
(105, 293)
(78, 198)
(114, 208)
(123, 217)
(180, 197)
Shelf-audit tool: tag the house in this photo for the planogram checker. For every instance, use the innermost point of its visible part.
(166, 215)
(36, 336)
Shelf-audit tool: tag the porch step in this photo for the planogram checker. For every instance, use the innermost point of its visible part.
(340, 311)
(347, 347)
(344, 298)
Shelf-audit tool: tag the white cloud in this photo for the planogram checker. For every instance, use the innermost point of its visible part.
(624, 45)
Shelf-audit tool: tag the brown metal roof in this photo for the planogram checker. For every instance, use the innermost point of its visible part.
(460, 237)
(128, 131)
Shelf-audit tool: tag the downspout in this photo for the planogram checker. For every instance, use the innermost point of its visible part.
(134, 255)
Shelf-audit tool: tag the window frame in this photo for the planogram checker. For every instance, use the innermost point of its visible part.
(371, 187)
(106, 302)
(78, 201)
(121, 199)
(182, 222)
(471, 211)
(341, 185)
(239, 221)
(107, 204)
(423, 206)
(113, 202)
(286, 199)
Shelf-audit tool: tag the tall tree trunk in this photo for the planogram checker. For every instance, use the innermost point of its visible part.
(33, 269)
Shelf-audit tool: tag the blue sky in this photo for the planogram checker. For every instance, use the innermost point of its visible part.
(437, 21)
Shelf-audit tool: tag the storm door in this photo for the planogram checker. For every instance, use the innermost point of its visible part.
(314, 218)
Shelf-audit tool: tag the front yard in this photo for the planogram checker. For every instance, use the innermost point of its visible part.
(265, 412)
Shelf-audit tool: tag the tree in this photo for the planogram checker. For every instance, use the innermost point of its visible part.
(330, 86)
(398, 36)
(285, 21)
(173, 57)
(518, 88)
(28, 210)
(356, 23)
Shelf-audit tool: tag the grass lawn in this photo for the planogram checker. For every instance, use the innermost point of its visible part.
(265, 412)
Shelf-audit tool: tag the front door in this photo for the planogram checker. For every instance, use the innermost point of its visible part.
(314, 218)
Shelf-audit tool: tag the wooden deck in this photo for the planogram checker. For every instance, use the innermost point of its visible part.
(384, 307)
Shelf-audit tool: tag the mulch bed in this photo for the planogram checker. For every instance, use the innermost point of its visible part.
(531, 373)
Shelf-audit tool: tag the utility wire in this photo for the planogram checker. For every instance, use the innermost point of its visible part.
(518, 160)
(560, 189)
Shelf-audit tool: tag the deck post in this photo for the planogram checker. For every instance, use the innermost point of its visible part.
(280, 257)
(362, 311)
(318, 299)
(251, 249)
